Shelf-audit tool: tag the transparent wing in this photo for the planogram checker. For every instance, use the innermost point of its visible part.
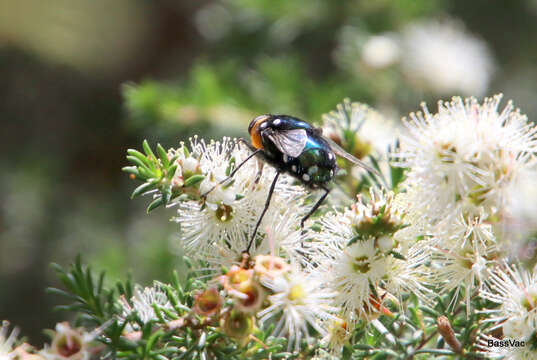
(339, 151)
(289, 142)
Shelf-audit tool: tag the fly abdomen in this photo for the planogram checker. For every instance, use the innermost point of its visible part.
(312, 167)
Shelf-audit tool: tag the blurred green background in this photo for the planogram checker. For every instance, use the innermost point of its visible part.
(83, 80)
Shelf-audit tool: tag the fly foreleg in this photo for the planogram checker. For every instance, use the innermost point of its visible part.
(256, 151)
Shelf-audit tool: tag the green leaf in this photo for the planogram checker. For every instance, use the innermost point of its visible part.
(354, 239)
(194, 180)
(138, 162)
(435, 351)
(148, 150)
(139, 156)
(171, 171)
(397, 175)
(130, 169)
(142, 189)
(362, 347)
(166, 196)
(397, 255)
(152, 339)
(146, 173)
(155, 204)
(163, 156)
(429, 311)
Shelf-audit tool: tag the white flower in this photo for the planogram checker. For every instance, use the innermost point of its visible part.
(462, 162)
(443, 57)
(458, 268)
(465, 155)
(350, 274)
(409, 275)
(69, 344)
(515, 290)
(377, 219)
(226, 220)
(519, 218)
(7, 341)
(142, 303)
(359, 129)
(381, 51)
(360, 259)
(297, 302)
(461, 251)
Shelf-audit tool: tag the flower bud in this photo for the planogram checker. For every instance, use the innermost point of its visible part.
(445, 329)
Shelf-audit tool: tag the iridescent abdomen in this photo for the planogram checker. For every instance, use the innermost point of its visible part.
(317, 163)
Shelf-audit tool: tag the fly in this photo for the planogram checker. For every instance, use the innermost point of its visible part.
(295, 147)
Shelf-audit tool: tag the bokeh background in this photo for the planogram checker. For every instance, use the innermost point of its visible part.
(83, 80)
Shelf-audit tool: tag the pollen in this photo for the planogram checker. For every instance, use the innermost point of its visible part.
(297, 292)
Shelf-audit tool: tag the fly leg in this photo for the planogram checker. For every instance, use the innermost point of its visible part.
(260, 165)
(267, 203)
(315, 207)
(247, 144)
(257, 151)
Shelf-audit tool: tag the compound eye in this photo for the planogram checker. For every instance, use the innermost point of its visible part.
(250, 127)
(256, 122)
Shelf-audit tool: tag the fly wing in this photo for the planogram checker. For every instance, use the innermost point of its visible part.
(289, 142)
(339, 151)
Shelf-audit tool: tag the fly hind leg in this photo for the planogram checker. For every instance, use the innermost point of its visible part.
(267, 203)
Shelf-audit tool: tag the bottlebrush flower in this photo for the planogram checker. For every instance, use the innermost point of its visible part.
(142, 303)
(515, 291)
(360, 260)
(297, 302)
(444, 58)
(519, 219)
(381, 51)
(359, 129)
(280, 234)
(462, 163)
(466, 155)
(230, 211)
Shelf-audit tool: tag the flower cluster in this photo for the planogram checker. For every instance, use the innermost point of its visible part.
(462, 162)
(219, 212)
(384, 271)
(515, 291)
(363, 261)
(443, 229)
(67, 344)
